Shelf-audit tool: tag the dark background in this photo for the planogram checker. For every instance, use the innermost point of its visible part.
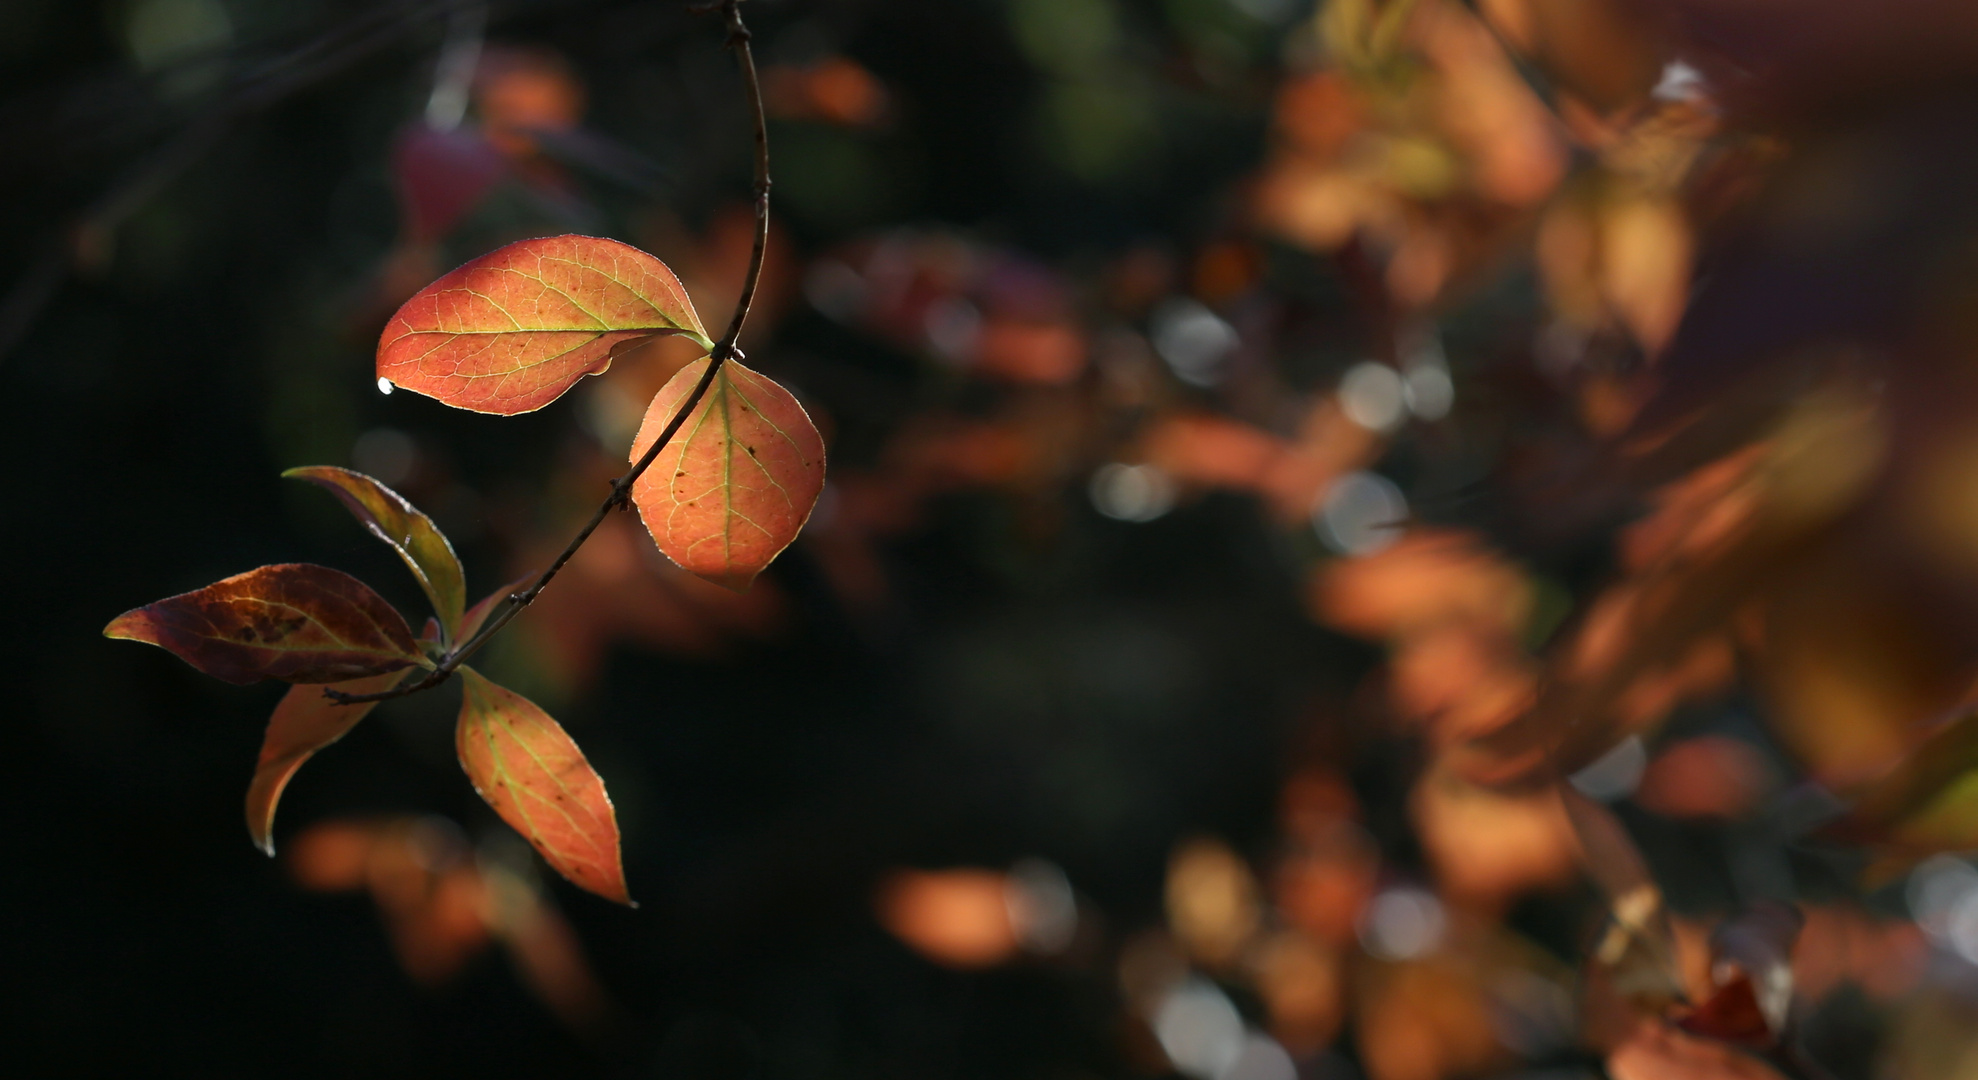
(1004, 708)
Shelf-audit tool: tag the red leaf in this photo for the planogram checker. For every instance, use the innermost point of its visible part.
(737, 482)
(306, 721)
(292, 621)
(530, 771)
(441, 175)
(412, 534)
(1732, 1015)
(512, 330)
(1657, 1051)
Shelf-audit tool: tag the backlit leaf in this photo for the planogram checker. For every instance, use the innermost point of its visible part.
(306, 721)
(512, 330)
(737, 482)
(530, 771)
(292, 621)
(411, 533)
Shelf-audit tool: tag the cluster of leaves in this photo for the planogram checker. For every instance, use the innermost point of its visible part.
(1774, 508)
(726, 469)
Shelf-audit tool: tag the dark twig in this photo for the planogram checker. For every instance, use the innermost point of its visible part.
(723, 351)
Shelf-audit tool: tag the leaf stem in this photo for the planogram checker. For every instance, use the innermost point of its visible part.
(723, 351)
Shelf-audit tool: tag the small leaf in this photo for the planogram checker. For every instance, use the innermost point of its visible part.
(1637, 950)
(306, 721)
(412, 534)
(530, 771)
(1751, 968)
(512, 330)
(292, 621)
(737, 482)
(478, 614)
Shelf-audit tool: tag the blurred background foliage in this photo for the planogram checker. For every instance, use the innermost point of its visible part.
(1272, 442)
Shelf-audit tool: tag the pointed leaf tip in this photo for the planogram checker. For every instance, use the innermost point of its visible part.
(296, 622)
(511, 331)
(737, 482)
(531, 772)
(412, 534)
(304, 722)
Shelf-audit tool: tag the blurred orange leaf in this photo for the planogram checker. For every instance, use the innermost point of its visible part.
(958, 918)
(1657, 1051)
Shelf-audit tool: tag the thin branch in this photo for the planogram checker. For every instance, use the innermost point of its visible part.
(723, 351)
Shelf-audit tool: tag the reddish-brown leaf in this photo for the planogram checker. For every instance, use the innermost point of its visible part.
(1732, 1015)
(306, 721)
(292, 621)
(530, 771)
(412, 534)
(1659, 1051)
(512, 330)
(735, 486)
(470, 624)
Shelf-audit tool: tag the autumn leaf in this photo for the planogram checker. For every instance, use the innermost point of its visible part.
(1927, 805)
(1658, 1051)
(292, 621)
(411, 533)
(1636, 955)
(512, 330)
(1751, 967)
(735, 485)
(306, 721)
(528, 769)
(470, 624)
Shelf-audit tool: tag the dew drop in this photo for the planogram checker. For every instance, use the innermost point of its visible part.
(384, 385)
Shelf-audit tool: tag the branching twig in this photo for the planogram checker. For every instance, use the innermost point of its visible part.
(723, 351)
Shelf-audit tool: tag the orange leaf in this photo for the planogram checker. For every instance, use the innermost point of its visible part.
(512, 330)
(292, 621)
(737, 482)
(306, 721)
(412, 534)
(528, 769)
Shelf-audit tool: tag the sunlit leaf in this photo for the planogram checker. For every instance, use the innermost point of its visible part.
(292, 621)
(306, 721)
(530, 771)
(512, 330)
(735, 486)
(412, 534)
